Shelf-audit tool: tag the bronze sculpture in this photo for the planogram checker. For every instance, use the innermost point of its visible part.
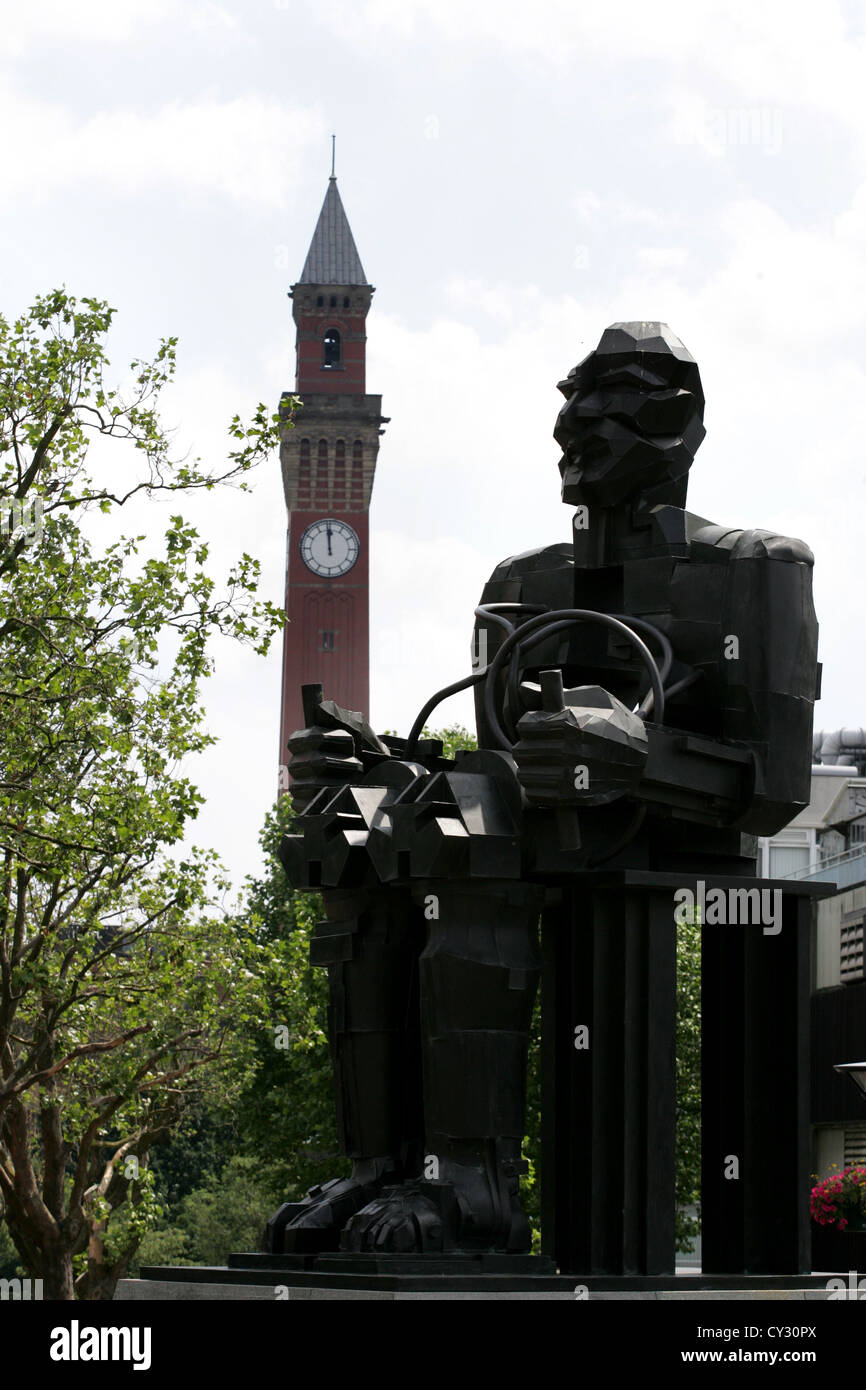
(645, 707)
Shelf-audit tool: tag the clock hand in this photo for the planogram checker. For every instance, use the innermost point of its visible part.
(328, 530)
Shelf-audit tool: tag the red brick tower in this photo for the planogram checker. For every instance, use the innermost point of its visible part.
(328, 461)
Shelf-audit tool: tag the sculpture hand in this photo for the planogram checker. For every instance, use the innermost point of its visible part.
(321, 758)
(584, 748)
(326, 753)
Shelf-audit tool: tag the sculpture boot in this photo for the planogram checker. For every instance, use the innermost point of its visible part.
(370, 944)
(478, 977)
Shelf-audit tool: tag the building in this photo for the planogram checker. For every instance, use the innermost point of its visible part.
(827, 843)
(328, 461)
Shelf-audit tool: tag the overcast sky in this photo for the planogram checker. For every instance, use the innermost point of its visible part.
(516, 178)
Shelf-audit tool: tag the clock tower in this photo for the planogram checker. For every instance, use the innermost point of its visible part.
(328, 462)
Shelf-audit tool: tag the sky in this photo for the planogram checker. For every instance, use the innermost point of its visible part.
(516, 178)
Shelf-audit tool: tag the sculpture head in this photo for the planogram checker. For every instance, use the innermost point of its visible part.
(633, 419)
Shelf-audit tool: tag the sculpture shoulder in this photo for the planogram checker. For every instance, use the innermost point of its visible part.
(728, 543)
(548, 557)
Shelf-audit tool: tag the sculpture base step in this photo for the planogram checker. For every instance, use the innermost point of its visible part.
(444, 1276)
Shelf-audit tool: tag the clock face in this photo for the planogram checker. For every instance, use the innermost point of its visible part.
(329, 548)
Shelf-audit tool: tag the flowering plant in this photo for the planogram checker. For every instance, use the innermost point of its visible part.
(841, 1197)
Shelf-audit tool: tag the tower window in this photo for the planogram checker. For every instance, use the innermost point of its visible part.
(329, 641)
(322, 471)
(320, 302)
(304, 475)
(357, 486)
(340, 468)
(331, 348)
(333, 301)
(345, 301)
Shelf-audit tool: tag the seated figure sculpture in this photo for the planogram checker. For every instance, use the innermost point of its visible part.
(644, 699)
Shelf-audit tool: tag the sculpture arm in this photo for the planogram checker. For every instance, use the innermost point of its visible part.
(764, 681)
(761, 677)
(769, 672)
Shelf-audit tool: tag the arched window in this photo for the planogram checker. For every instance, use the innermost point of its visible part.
(331, 348)
(320, 301)
(333, 301)
(345, 301)
(304, 474)
(357, 488)
(321, 491)
(340, 468)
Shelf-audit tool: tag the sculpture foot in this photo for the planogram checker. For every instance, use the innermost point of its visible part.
(401, 1221)
(314, 1224)
(462, 1214)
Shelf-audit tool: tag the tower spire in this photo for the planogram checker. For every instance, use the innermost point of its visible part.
(333, 155)
(333, 256)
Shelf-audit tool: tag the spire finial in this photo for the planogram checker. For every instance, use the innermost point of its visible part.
(333, 155)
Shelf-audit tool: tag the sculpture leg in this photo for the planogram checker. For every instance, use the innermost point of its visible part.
(478, 975)
(370, 944)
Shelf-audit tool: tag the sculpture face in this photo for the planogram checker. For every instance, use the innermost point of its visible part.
(633, 419)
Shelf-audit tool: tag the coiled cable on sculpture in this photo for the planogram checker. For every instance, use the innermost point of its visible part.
(503, 702)
(537, 629)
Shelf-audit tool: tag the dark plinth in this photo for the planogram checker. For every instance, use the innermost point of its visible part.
(608, 1111)
(755, 1090)
(835, 1249)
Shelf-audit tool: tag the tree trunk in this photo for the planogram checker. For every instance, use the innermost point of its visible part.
(99, 1280)
(57, 1276)
(98, 1285)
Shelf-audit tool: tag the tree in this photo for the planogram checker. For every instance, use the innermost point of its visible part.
(286, 1115)
(119, 984)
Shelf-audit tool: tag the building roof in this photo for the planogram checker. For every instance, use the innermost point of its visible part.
(333, 256)
(829, 803)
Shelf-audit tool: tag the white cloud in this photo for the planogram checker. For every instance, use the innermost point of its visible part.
(771, 54)
(107, 21)
(87, 21)
(661, 257)
(249, 148)
(212, 16)
(422, 595)
(586, 204)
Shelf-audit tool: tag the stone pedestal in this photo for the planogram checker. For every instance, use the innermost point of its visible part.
(287, 1278)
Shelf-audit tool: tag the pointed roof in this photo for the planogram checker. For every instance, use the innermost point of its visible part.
(333, 256)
